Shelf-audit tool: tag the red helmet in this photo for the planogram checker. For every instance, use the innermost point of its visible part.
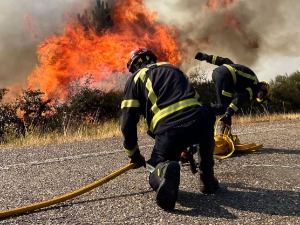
(136, 54)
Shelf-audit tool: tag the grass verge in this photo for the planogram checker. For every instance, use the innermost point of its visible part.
(112, 129)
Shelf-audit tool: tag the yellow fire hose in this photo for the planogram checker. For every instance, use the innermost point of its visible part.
(227, 143)
(67, 196)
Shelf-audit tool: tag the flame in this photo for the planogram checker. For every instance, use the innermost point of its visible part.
(77, 52)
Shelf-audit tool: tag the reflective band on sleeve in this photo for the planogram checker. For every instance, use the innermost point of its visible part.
(233, 106)
(131, 152)
(130, 103)
(250, 92)
(232, 71)
(214, 59)
(171, 109)
(227, 94)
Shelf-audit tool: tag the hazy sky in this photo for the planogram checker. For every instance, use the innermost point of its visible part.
(272, 24)
(23, 25)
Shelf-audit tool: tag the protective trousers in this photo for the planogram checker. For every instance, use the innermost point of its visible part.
(169, 145)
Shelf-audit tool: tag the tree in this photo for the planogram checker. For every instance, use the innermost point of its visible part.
(204, 87)
(286, 92)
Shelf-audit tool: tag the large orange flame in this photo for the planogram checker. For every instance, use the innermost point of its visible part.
(76, 52)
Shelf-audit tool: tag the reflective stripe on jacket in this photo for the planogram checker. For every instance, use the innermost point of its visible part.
(235, 82)
(161, 93)
(240, 85)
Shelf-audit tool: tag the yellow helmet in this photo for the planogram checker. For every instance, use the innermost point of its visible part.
(265, 92)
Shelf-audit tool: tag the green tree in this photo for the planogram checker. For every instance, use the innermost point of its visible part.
(286, 92)
(203, 85)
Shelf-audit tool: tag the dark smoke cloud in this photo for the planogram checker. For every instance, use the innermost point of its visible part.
(269, 29)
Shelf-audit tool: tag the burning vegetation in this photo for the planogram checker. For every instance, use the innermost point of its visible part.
(101, 18)
(78, 70)
(99, 45)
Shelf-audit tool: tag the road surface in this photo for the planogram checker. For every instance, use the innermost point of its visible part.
(256, 188)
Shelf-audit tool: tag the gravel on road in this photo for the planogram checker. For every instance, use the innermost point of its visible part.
(260, 187)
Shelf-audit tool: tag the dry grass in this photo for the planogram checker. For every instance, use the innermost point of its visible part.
(265, 118)
(112, 129)
(84, 132)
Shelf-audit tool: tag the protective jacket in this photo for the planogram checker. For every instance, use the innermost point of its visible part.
(235, 84)
(161, 93)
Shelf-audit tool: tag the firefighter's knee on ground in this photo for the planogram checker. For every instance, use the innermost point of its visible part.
(165, 181)
(155, 177)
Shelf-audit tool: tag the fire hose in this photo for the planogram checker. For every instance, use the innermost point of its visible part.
(67, 196)
(227, 143)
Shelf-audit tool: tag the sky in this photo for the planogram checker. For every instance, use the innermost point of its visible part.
(23, 25)
(268, 40)
(271, 24)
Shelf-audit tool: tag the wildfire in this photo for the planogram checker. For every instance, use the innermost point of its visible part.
(78, 51)
(85, 48)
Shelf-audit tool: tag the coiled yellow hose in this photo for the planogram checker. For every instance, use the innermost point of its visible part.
(226, 144)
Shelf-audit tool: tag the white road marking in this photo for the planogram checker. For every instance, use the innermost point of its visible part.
(62, 159)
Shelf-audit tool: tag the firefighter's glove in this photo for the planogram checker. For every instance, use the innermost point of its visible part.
(138, 159)
(226, 119)
(201, 56)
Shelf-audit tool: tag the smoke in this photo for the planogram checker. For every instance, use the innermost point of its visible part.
(24, 24)
(245, 31)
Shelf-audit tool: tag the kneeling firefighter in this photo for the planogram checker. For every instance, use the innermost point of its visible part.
(235, 85)
(162, 94)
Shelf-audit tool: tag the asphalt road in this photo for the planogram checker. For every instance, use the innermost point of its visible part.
(256, 188)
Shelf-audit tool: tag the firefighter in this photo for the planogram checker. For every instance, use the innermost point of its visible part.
(235, 85)
(162, 94)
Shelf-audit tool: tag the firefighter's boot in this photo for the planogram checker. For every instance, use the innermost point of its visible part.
(165, 181)
(208, 182)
